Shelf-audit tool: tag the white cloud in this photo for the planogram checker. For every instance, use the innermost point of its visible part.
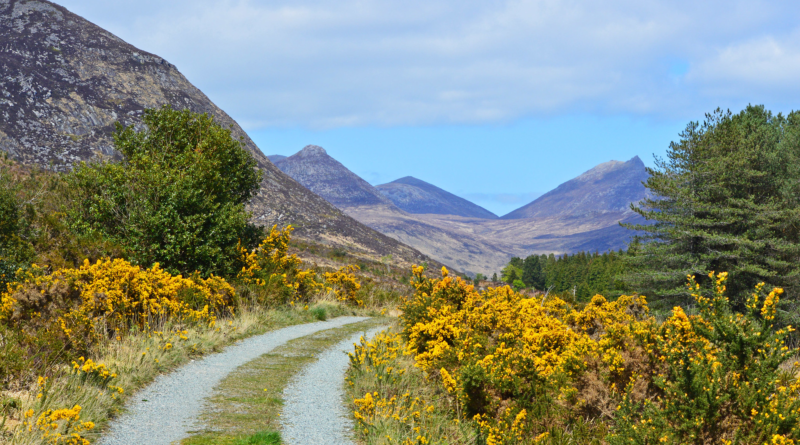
(762, 63)
(414, 62)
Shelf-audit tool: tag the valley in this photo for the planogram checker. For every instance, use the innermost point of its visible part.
(582, 214)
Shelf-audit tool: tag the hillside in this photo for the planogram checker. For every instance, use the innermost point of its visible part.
(67, 81)
(416, 196)
(608, 187)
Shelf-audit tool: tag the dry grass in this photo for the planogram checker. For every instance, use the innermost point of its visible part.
(137, 358)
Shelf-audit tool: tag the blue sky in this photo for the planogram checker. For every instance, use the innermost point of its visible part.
(494, 101)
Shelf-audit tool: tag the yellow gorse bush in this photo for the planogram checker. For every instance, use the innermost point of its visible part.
(60, 426)
(409, 417)
(522, 366)
(345, 284)
(270, 265)
(63, 426)
(109, 296)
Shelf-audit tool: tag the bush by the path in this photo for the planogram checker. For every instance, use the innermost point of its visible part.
(544, 371)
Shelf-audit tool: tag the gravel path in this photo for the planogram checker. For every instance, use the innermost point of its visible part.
(314, 412)
(166, 410)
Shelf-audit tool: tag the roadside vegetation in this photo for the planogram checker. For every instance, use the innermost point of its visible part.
(117, 271)
(498, 367)
(571, 351)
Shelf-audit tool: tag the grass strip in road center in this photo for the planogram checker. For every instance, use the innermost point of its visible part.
(245, 407)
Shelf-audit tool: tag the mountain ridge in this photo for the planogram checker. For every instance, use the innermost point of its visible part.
(480, 245)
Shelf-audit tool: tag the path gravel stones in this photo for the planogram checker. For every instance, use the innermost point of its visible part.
(166, 410)
(314, 410)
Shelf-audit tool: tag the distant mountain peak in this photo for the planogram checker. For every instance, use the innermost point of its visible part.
(417, 196)
(317, 171)
(408, 180)
(311, 150)
(607, 187)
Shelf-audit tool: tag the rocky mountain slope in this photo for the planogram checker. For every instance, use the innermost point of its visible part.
(65, 81)
(608, 187)
(416, 196)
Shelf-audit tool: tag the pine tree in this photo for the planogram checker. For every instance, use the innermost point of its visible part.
(725, 199)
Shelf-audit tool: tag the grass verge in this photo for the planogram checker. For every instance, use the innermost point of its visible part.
(245, 407)
(118, 367)
(394, 402)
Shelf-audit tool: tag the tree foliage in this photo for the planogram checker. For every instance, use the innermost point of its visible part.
(582, 274)
(725, 198)
(177, 198)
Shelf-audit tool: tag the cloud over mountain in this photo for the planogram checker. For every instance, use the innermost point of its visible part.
(356, 62)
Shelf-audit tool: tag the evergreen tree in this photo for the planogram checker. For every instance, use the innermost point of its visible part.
(533, 272)
(583, 273)
(725, 199)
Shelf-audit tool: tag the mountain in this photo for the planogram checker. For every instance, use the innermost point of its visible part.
(328, 178)
(582, 214)
(275, 158)
(66, 81)
(416, 196)
(608, 187)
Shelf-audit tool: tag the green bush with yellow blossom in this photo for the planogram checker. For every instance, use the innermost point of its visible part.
(540, 370)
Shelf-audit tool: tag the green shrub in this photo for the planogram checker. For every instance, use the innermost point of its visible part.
(177, 198)
(319, 313)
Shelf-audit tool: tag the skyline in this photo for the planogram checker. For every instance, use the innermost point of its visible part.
(522, 95)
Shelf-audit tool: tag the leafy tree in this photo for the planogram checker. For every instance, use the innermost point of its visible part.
(512, 271)
(9, 226)
(177, 198)
(724, 199)
(494, 277)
